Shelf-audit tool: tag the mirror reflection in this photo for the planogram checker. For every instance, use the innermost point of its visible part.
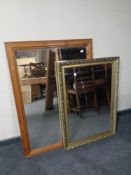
(36, 73)
(38, 87)
(88, 96)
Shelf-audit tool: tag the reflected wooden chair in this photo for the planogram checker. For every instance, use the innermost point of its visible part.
(100, 78)
(37, 69)
(82, 94)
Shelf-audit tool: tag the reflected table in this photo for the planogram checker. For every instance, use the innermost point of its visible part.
(40, 80)
(24, 66)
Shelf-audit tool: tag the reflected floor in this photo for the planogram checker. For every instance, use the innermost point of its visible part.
(90, 124)
(43, 126)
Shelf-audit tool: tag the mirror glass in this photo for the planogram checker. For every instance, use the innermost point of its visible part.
(38, 87)
(88, 92)
(36, 68)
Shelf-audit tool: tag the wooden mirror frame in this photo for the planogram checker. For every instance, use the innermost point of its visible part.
(60, 72)
(11, 47)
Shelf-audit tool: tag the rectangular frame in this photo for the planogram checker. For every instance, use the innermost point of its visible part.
(60, 66)
(11, 47)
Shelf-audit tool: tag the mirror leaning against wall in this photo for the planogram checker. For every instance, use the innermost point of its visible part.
(33, 79)
(88, 99)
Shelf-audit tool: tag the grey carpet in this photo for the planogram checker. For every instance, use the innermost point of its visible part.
(110, 156)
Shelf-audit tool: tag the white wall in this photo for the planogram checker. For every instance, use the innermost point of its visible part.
(106, 21)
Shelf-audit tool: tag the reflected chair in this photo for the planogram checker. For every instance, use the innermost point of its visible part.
(37, 69)
(82, 94)
(100, 78)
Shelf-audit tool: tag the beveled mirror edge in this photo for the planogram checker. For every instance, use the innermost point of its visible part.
(11, 47)
(60, 66)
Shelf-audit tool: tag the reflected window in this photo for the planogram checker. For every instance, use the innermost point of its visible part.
(73, 53)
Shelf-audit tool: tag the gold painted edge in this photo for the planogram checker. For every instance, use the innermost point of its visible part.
(89, 139)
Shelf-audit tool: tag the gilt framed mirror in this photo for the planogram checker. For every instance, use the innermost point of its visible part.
(31, 65)
(88, 99)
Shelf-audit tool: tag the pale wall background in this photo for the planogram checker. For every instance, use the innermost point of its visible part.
(106, 21)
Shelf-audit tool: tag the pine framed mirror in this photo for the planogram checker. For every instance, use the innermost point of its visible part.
(88, 99)
(31, 65)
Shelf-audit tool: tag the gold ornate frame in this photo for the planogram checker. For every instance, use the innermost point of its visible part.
(60, 67)
(11, 47)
